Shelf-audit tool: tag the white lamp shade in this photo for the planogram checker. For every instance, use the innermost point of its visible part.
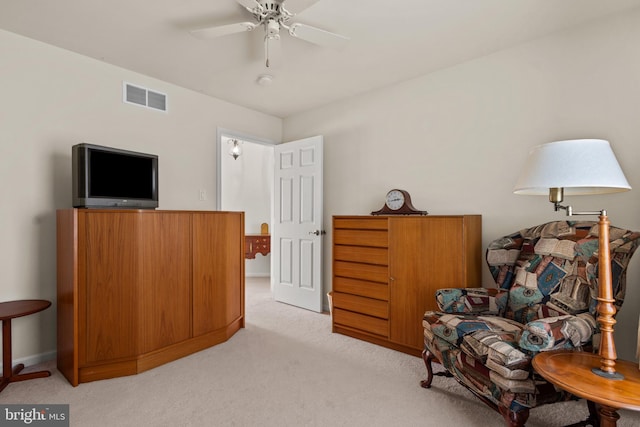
(579, 166)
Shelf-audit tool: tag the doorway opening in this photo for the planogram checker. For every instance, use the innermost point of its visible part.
(245, 183)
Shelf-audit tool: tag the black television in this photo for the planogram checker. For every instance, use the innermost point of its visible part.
(106, 177)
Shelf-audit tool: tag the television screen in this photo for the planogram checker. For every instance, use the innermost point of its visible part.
(120, 175)
(105, 177)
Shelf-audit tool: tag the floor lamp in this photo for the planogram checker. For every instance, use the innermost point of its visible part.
(582, 167)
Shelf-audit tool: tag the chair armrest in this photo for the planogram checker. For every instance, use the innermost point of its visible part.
(560, 332)
(472, 300)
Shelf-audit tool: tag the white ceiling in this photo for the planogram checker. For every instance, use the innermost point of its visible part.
(391, 41)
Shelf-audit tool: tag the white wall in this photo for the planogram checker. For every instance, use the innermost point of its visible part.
(247, 185)
(456, 139)
(51, 99)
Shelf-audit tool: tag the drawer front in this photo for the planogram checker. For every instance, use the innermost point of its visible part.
(361, 223)
(257, 240)
(374, 238)
(361, 287)
(368, 306)
(361, 254)
(362, 322)
(355, 270)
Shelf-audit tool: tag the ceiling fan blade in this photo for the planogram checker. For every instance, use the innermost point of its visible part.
(297, 6)
(223, 30)
(249, 4)
(318, 36)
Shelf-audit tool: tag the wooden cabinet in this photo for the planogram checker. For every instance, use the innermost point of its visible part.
(218, 291)
(386, 270)
(137, 289)
(164, 301)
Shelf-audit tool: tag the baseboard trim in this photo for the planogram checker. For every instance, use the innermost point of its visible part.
(34, 359)
(257, 275)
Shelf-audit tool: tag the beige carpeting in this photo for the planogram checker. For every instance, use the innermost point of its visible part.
(285, 368)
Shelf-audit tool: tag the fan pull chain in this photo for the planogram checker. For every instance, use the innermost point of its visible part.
(266, 50)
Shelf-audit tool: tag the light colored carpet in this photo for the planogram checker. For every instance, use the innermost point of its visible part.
(285, 368)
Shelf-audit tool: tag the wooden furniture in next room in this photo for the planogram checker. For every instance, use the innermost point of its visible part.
(139, 288)
(386, 270)
(256, 244)
(572, 371)
(10, 310)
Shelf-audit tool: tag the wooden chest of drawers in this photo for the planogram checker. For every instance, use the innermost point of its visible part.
(386, 270)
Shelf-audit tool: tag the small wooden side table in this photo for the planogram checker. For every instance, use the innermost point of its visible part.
(256, 244)
(571, 371)
(10, 310)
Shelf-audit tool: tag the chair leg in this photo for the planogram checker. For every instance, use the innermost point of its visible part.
(427, 356)
(514, 419)
(594, 415)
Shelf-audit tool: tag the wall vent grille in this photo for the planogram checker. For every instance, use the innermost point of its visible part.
(144, 97)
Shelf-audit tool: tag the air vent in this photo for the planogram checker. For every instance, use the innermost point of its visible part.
(144, 97)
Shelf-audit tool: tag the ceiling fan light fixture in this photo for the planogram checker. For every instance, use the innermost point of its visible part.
(264, 79)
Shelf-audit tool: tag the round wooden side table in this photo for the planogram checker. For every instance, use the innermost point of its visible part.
(10, 310)
(571, 371)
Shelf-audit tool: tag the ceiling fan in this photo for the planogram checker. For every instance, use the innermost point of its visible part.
(273, 16)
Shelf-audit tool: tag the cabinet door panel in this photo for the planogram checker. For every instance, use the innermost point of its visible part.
(165, 280)
(218, 270)
(425, 254)
(110, 326)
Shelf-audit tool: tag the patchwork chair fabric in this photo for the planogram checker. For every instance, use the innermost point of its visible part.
(545, 299)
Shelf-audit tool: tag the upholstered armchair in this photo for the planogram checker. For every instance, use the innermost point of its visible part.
(545, 299)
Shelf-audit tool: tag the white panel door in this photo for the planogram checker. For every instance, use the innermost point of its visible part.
(296, 235)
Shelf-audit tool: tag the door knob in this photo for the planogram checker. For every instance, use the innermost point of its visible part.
(318, 232)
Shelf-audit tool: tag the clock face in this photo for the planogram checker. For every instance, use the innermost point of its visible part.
(395, 199)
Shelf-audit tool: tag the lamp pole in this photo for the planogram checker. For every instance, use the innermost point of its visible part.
(606, 308)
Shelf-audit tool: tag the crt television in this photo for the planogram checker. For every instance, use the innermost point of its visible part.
(106, 177)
